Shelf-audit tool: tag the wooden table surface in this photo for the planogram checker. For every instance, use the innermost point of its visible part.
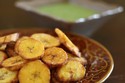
(111, 35)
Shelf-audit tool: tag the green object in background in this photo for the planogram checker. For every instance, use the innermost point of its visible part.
(66, 11)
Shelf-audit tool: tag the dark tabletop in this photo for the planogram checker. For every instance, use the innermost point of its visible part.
(111, 35)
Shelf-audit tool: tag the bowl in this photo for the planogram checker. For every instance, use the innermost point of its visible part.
(83, 25)
(99, 60)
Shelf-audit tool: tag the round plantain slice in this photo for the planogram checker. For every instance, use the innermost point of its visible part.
(8, 38)
(54, 56)
(30, 48)
(67, 42)
(7, 76)
(3, 56)
(46, 39)
(18, 42)
(14, 63)
(80, 59)
(34, 72)
(72, 71)
(2, 47)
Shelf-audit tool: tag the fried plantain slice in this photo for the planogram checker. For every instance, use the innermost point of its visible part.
(67, 42)
(34, 72)
(46, 39)
(8, 38)
(7, 76)
(30, 48)
(2, 47)
(80, 59)
(14, 63)
(18, 42)
(55, 56)
(3, 56)
(72, 71)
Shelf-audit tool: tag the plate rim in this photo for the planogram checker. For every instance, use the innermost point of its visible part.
(108, 73)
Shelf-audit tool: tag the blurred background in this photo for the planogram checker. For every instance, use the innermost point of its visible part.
(11, 16)
(111, 34)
